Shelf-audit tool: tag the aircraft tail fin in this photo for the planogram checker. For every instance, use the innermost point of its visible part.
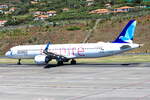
(127, 34)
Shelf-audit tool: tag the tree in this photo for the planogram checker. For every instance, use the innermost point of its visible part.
(21, 11)
(25, 1)
(138, 1)
(120, 1)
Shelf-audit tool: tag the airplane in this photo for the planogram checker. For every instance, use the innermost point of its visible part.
(43, 54)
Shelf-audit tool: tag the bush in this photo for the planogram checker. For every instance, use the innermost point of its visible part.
(12, 22)
(72, 28)
(146, 3)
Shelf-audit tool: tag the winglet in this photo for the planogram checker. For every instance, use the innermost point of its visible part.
(127, 34)
(46, 48)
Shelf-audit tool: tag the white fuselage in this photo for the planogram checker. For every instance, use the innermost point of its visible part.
(71, 51)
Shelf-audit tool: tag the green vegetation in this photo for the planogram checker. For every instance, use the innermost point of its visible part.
(72, 28)
(113, 59)
(78, 9)
(118, 59)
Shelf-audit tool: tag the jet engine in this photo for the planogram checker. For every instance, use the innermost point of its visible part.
(42, 59)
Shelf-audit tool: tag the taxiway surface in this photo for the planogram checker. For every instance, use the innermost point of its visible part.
(75, 82)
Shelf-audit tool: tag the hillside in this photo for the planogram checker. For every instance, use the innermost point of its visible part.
(70, 21)
(106, 31)
(22, 12)
(3, 1)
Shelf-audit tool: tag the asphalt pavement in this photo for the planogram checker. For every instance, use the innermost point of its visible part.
(97, 81)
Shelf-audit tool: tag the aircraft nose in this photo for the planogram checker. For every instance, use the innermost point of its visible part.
(8, 53)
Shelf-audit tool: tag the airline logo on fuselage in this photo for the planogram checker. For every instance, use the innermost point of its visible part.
(67, 51)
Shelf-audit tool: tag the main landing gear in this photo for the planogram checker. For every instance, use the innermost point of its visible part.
(19, 62)
(60, 63)
(73, 62)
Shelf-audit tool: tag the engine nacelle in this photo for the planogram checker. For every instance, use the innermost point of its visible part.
(42, 59)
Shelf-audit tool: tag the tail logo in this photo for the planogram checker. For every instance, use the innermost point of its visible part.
(125, 39)
(126, 36)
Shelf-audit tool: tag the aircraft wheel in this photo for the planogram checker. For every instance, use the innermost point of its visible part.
(73, 62)
(19, 63)
(60, 63)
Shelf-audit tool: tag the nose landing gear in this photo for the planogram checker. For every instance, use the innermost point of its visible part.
(19, 62)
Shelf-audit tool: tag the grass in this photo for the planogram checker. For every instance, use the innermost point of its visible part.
(118, 59)
(111, 59)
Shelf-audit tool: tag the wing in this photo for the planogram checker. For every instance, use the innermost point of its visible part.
(52, 55)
